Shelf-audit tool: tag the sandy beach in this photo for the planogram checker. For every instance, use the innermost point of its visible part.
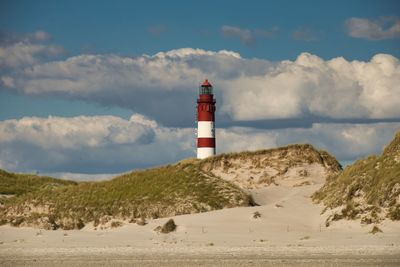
(290, 231)
(199, 133)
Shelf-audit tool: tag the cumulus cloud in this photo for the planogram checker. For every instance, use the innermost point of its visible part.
(94, 144)
(373, 29)
(163, 88)
(347, 142)
(160, 86)
(108, 144)
(25, 54)
(25, 50)
(77, 132)
(311, 86)
(163, 85)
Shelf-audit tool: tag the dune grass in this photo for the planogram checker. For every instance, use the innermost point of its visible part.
(366, 189)
(18, 184)
(186, 187)
(295, 153)
(160, 192)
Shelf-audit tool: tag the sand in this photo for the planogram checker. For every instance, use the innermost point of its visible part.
(290, 231)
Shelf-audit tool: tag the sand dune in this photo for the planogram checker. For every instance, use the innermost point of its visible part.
(290, 227)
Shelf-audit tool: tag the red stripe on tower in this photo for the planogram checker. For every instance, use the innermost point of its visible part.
(205, 121)
(205, 142)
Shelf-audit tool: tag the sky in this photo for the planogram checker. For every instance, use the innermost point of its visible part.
(93, 88)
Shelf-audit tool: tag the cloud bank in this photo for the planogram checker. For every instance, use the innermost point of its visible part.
(90, 144)
(108, 144)
(311, 86)
(160, 90)
(162, 85)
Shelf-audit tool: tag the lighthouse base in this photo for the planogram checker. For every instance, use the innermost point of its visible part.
(205, 152)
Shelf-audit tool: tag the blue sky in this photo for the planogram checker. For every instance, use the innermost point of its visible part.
(122, 27)
(266, 34)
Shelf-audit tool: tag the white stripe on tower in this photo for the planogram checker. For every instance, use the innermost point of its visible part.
(205, 152)
(205, 135)
(205, 129)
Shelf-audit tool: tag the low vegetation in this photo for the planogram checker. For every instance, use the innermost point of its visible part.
(168, 227)
(293, 154)
(18, 184)
(368, 190)
(160, 192)
(292, 165)
(189, 186)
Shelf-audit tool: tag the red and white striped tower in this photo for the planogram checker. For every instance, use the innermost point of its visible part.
(205, 121)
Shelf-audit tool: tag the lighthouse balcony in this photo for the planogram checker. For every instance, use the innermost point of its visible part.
(206, 99)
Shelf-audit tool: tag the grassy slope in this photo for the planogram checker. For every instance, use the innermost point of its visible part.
(368, 189)
(18, 184)
(158, 192)
(295, 154)
(186, 187)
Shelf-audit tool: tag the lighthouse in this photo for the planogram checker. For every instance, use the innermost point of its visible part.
(205, 121)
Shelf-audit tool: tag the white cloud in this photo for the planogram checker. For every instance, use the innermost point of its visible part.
(374, 29)
(8, 38)
(247, 36)
(236, 139)
(25, 50)
(309, 85)
(81, 176)
(108, 144)
(163, 85)
(89, 144)
(76, 132)
(347, 142)
(165, 82)
(88, 74)
(25, 54)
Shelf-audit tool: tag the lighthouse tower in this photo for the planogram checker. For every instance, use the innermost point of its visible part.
(205, 121)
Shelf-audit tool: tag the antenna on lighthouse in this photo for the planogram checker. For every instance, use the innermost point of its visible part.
(205, 121)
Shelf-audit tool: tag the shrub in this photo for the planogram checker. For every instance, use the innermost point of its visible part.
(116, 224)
(375, 230)
(168, 227)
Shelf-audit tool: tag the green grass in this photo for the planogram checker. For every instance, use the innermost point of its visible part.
(186, 187)
(160, 192)
(18, 184)
(375, 179)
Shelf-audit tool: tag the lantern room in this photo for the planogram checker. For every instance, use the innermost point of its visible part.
(206, 88)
